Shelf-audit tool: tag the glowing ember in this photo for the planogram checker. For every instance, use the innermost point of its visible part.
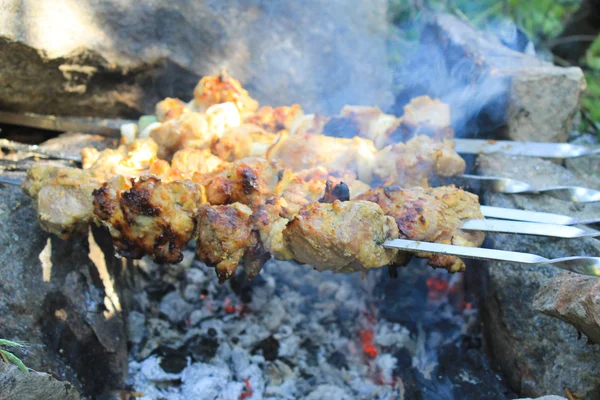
(366, 341)
(248, 393)
(438, 288)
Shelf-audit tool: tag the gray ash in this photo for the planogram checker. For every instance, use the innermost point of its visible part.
(296, 333)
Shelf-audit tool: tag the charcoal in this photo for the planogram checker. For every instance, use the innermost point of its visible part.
(172, 361)
(202, 348)
(175, 308)
(269, 348)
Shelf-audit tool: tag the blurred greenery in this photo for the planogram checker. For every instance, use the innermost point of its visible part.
(541, 20)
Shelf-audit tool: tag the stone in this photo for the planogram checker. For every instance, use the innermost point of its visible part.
(539, 354)
(119, 57)
(491, 86)
(574, 299)
(52, 298)
(18, 385)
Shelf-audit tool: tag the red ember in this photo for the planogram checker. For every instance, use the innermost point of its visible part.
(366, 341)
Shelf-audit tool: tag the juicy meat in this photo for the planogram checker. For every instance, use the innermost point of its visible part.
(224, 235)
(213, 90)
(190, 129)
(423, 116)
(276, 119)
(170, 108)
(414, 162)
(305, 151)
(431, 215)
(189, 161)
(147, 216)
(245, 181)
(342, 236)
(62, 198)
(244, 141)
(370, 122)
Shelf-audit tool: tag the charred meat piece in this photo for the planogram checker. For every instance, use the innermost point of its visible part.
(414, 162)
(431, 215)
(149, 217)
(224, 235)
(62, 197)
(245, 181)
(342, 236)
(276, 119)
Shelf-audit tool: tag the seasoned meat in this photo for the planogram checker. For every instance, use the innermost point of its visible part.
(311, 123)
(190, 161)
(412, 163)
(305, 151)
(245, 181)
(130, 160)
(149, 217)
(423, 116)
(276, 119)
(170, 108)
(224, 234)
(341, 236)
(371, 122)
(190, 129)
(62, 198)
(213, 90)
(244, 141)
(431, 215)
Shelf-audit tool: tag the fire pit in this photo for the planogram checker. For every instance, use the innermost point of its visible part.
(177, 331)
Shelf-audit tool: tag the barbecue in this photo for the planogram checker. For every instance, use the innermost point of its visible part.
(275, 189)
(344, 224)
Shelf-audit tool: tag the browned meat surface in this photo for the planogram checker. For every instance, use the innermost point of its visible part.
(213, 90)
(414, 162)
(170, 108)
(305, 151)
(342, 236)
(224, 235)
(424, 116)
(190, 129)
(246, 181)
(189, 161)
(148, 216)
(431, 215)
(246, 140)
(62, 198)
(275, 119)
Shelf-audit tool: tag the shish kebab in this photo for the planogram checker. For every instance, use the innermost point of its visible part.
(180, 193)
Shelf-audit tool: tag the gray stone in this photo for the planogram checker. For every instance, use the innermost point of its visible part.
(533, 99)
(119, 57)
(538, 354)
(574, 299)
(136, 329)
(18, 385)
(58, 312)
(174, 307)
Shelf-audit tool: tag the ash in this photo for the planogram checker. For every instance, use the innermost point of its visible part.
(296, 333)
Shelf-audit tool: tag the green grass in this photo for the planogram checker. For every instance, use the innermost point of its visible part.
(10, 357)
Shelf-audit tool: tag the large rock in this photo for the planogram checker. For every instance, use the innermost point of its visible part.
(52, 298)
(539, 354)
(574, 299)
(18, 385)
(119, 57)
(489, 85)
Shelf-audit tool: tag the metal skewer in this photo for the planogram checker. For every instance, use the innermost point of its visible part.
(528, 228)
(534, 216)
(33, 148)
(498, 184)
(581, 265)
(529, 149)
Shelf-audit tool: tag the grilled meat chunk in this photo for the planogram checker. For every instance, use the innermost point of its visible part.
(190, 129)
(147, 216)
(341, 236)
(62, 197)
(190, 161)
(222, 88)
(276, 119)
(431, 215)
(414, 162)
(224, 235)
(245, 181)
(170, 108)
(244, 141)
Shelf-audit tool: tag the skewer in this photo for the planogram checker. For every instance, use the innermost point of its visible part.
(580, 265)
(35, 149)
(528, 149)
(534, 216)
(528, 228)
(498, 184)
